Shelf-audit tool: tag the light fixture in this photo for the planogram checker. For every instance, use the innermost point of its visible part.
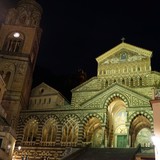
(155, 140)
(9, 146)
(16, 34)
(19, 148)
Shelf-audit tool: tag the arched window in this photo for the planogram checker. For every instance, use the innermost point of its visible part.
(139, 69)
(123, 81)
(144, 138)
(93, 132)
(30, 131)
(70, 131)
(131, 82)
(7, 77)
(106, 83)
(90, 128)
(14, 42)
(140, 81)
(49, 131)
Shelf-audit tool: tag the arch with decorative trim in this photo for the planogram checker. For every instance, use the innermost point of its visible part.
(70, 130)
(7, 72)
(93, 130)
(117, 132)
(141, 123)
(114, 96)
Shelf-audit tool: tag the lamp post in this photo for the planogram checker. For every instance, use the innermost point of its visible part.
(156, 142)
(15, 153)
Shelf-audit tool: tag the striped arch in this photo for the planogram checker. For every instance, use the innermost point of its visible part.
(112, 97)
(31, 128)
(49, 129)
(50, 116)
(90, 115)
(71, 116)
(139, 122)
(70, 130)
(145, 114)
(92, 130)
(32, 117)
(7, 72)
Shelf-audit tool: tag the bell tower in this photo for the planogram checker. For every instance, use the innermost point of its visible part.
(19, 44)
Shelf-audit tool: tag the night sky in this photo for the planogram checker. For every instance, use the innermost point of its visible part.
(75, 32)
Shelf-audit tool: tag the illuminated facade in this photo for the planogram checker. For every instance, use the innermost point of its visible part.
(111, 109)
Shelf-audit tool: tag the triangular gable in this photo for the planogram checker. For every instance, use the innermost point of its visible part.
(132, 97)
(43, 89)
(91, 84)
(121, 46)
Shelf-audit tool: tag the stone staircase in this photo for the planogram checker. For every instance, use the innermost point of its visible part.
(103, 154)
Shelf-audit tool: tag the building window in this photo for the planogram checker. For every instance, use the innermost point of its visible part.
(49, 131)
(123, 56)
(123, 81)
(1, 142)
(140, 81)
(30, 131)
(70, 131)
(14, 42)
(131, 81)
(6, 76)
(92, 131)
(49, 100)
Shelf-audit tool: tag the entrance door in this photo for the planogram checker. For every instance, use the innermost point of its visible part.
(121, 141)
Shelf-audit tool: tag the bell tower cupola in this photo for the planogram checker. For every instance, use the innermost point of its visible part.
(28, 13)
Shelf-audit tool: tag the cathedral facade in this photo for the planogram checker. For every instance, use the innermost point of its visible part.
(110, 110)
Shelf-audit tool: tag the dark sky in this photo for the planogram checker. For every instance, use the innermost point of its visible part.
(75, 32)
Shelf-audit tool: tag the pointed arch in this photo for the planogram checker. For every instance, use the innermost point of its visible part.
(49, 132)
(123, 81)
(140, 81)
(30, 131)
(138, 122)
(70, 130)
(7, 72)
(14, 42)
(7, 77)
(117, 117)
(131, 82)
(114, 96)
(93, 132)
(106, 83)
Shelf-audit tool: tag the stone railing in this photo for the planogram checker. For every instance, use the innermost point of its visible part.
(68, 143)
(47, 143)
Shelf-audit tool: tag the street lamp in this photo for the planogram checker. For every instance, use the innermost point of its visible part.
(16, 151)
(156, 142)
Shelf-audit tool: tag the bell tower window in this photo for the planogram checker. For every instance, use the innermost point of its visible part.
(14, 42)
